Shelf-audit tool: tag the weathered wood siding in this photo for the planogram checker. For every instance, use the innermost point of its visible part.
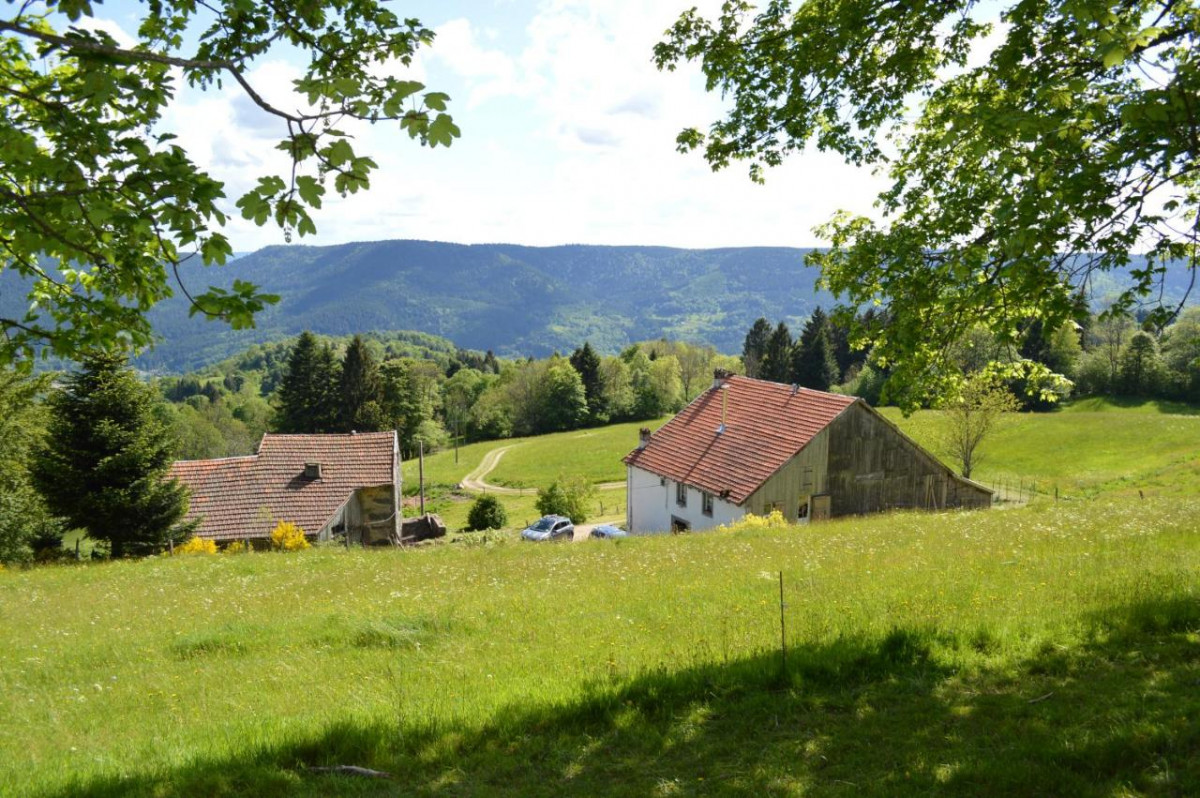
(872, 467)
(801, 477)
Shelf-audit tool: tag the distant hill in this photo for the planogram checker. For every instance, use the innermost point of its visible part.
(512, 299)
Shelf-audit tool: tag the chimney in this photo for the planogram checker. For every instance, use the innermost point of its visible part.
(724, 406)
(643, 437)
(719, 377)
(312, 470)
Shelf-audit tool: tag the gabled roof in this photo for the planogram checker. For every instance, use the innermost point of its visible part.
(766, 424)
(244, 497)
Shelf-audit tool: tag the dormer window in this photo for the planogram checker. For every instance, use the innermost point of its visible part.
(312, 470)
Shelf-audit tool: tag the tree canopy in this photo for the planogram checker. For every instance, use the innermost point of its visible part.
(1070, 146)
(98, 205)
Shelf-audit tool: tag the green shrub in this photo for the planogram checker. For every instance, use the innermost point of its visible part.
(567, 496)
(487, 513)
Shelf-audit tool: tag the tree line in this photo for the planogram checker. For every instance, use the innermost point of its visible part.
(478, 396)
(1110, 353)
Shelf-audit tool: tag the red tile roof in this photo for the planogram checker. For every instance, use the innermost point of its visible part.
(244, 497)
(766, 424)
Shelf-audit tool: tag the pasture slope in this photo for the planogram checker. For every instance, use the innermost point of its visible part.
(1052, 649)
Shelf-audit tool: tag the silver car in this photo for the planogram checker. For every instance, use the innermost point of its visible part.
(549, 527)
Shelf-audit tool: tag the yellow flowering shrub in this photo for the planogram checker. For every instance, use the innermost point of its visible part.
(286, 536)
(237, 547)
(197, 545)
(773, 520)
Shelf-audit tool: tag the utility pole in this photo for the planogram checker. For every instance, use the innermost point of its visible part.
(421, 471)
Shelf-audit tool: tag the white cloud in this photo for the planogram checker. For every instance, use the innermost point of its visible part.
(568, 136)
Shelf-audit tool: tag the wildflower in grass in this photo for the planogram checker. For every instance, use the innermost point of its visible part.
(197, 545)
(286, 536)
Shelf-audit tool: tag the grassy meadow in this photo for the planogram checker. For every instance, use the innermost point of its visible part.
(1048, 649)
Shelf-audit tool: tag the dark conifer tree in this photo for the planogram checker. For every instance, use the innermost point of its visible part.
(308, 392)
(587, 363)
(755, 346)
(103, 464)
(776, 364)
(813, 363)
(360, 389)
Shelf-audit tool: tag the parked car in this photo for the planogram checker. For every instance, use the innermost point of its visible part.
(608, 532)
(549, 527)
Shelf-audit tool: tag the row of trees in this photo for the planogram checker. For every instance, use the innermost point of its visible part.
(480, 397)
(1107, 354)
(821, 358)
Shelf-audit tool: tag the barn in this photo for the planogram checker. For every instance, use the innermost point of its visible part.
(752, 446)
(329, 485)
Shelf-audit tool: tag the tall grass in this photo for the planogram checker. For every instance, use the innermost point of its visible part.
(497, 668)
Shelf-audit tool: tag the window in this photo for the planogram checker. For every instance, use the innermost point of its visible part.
(679, 525)
(681, 494)
(706, 503)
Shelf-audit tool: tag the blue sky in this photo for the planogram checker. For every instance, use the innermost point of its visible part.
(568, 137)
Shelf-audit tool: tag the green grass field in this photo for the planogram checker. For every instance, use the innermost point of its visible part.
(535, 462)
(1084, 452)
(1051, 649)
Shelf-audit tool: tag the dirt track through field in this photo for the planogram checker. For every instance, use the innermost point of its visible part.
(475, 480)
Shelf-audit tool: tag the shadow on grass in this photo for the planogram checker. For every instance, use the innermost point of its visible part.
(1115, 716)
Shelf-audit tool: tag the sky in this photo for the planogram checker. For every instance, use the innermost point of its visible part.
(568, 136)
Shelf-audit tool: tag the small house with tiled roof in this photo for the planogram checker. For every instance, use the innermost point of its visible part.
(752, 446)
(326, 484)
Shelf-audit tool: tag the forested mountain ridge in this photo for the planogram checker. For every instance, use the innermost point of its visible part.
(515, 300)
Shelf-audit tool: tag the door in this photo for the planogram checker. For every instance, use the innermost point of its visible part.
(820, 508)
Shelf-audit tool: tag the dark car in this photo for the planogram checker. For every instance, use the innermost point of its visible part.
(608, 532)
(550, 527)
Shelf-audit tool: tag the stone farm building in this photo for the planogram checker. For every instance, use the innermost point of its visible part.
(326, 484)
(751, 446)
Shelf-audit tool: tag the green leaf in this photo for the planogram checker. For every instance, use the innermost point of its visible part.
(310, 190)
(442, 131)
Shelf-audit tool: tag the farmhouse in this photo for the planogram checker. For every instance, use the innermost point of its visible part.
(326, 484)
(751, 446)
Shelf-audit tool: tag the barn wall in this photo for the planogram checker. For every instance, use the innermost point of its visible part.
(873, 467)
(799, 479)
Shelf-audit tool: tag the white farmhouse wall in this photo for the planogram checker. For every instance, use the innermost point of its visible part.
(651, 504)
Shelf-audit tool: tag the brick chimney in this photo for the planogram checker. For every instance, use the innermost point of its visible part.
(643, 437)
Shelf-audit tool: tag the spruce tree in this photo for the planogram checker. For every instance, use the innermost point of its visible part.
(587, 363)
(755, 346)
(776, 363)
(104, 462)
(308, 392)
(360, 389)
(813, 363)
